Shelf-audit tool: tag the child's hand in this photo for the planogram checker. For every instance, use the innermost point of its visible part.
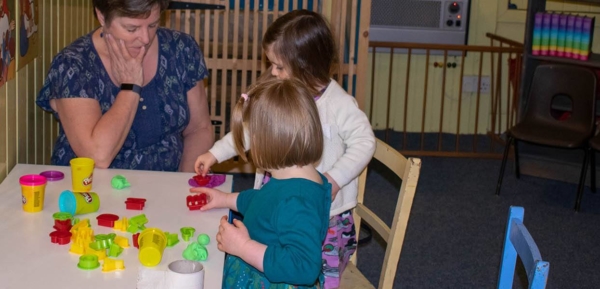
(204, 162)
(335, 188)
(231, 238)
(215, 198)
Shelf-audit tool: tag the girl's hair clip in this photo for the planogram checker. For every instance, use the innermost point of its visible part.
(245, 96)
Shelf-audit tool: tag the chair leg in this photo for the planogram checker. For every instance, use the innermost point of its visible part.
(586, 159)
(517, 165)
(503, 166)
(593, 170)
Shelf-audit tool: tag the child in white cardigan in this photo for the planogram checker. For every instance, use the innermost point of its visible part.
(300, 45)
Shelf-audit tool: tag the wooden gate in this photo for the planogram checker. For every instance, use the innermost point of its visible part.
(230, 37)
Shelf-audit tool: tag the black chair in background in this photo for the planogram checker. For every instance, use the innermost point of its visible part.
(594, 145)
(540, 126)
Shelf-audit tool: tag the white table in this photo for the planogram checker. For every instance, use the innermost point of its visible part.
(30, 260)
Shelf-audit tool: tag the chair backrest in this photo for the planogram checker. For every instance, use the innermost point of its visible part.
(518, 242)
(408, 171)
(555, 82)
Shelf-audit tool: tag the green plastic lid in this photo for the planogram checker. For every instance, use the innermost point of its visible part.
(62, 216)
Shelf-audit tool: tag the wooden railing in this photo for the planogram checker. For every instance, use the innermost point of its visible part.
(430, 99)
(230, 40)
(514, 65)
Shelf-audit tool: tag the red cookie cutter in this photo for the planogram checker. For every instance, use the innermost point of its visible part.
(60, 237)
(63, 225)
(135, 203)
(134, 238)
(107, 220)
(195, 202)
(201, 180)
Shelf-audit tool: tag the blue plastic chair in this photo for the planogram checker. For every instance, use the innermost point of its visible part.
(518, 241)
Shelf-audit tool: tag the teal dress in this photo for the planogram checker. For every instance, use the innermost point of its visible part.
(155, 140)
(291, 217)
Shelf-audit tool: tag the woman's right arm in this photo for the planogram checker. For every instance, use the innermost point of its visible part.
(96, 135)
(92, 134)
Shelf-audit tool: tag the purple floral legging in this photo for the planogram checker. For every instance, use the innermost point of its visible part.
(340, 244)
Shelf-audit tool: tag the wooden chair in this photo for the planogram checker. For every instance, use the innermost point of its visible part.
(518, 241)
(408, 171)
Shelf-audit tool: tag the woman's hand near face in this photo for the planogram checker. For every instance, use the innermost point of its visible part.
(96, 135)
(124, 67)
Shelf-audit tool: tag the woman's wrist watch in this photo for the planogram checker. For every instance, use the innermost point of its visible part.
(133, 87)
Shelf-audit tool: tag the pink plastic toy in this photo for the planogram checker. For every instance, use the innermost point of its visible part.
(209, 181)
(202, 180)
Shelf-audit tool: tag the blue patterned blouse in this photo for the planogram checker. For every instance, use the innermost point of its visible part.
(155, 141)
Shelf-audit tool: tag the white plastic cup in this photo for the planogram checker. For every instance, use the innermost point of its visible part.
(185, 274)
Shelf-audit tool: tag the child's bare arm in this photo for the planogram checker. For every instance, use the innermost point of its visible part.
(217, 199)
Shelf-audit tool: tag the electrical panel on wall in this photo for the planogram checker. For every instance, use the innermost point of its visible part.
(420, 21)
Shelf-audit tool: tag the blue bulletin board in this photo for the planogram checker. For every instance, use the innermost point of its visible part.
(271, 4)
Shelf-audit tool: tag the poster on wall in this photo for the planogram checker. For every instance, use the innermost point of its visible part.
(7, 41)
(27, 29)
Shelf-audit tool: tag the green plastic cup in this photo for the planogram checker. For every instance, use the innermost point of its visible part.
(78, 203)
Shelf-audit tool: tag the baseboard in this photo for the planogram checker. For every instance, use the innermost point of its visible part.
(555, 167)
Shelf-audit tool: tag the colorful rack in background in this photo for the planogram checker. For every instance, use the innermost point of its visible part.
(562, 35)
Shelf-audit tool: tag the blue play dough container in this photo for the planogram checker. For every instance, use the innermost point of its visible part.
(78, 203)
(67, 202)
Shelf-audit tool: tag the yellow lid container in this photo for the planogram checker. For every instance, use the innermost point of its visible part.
(152, 243)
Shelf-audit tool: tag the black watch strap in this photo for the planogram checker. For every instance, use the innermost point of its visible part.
(133, 87)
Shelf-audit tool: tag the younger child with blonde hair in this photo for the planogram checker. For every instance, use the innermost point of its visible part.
(278, 245)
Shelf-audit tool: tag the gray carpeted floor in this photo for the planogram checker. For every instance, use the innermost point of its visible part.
(454, 236)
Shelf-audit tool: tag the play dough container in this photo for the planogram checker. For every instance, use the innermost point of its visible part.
(152, 243)
(82, 172)
(78, 203)
(33, 188)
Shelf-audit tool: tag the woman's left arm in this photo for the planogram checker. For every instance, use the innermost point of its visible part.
(198, 136)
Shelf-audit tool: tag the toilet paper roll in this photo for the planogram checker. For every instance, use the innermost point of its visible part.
(185, 274)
